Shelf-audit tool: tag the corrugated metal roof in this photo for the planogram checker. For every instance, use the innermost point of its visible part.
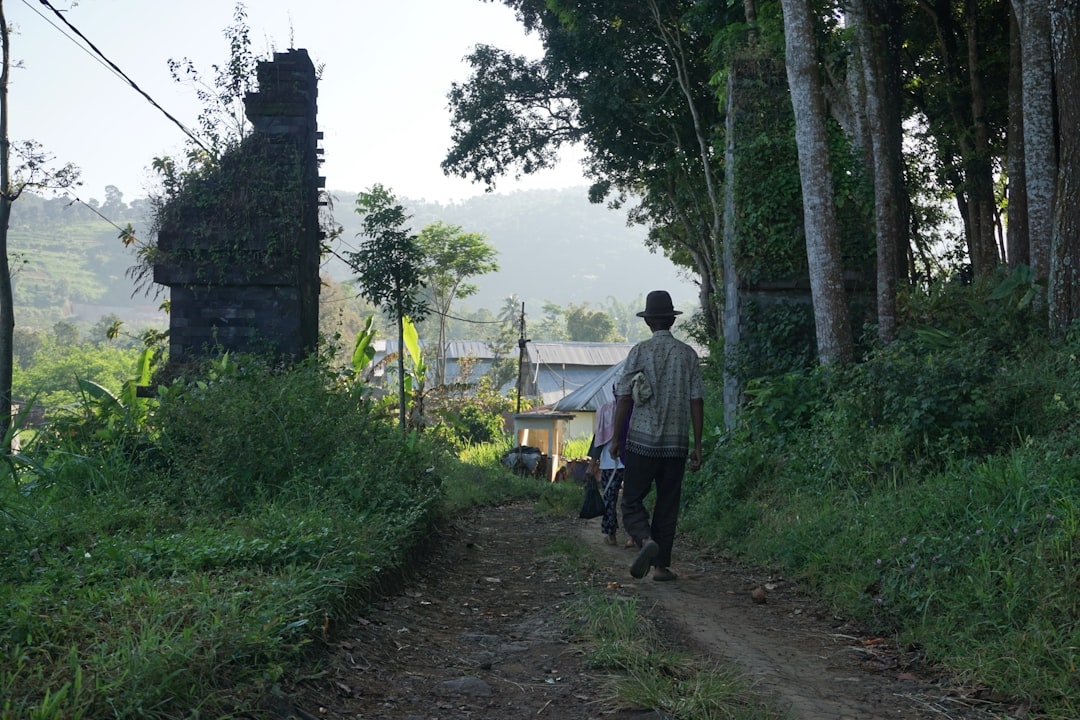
(553, 383)
(592, 395)
(555, 354)
(478, 349)
(577, 353)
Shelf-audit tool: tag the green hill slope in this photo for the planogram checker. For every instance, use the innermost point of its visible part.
(553, 246)
(68, 264)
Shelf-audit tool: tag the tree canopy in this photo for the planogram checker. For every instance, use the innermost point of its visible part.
(449, 258)
(641, 87)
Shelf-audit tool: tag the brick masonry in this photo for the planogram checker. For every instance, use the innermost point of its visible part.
(242, 262)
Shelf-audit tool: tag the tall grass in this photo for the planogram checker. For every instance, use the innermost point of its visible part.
(180, 567)
(931, 492)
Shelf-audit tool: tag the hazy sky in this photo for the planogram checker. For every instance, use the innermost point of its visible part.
(388, 65)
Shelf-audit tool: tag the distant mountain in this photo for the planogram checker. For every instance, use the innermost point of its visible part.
(554, 245)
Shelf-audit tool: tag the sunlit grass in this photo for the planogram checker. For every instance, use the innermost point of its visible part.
(576, 448)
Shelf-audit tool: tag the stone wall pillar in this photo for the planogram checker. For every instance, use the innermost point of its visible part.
(240, 247)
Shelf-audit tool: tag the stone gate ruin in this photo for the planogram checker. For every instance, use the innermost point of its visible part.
(239, 247)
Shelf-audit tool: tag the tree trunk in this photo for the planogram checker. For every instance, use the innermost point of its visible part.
(875, 40)
(7, 195)
(965, 128)
(706, 268)
(834, 340)
(732, 306)
(1017, 249)
(979, 170)
(440, 353)
(401, 357)
(1064, 295)
(750, 11)
(1040, 156)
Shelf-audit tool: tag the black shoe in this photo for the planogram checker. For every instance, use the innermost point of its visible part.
(644, 559)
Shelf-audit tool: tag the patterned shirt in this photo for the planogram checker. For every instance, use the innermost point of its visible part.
(660, 427)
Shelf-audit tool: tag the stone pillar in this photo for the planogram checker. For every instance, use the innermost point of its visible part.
(239, 247)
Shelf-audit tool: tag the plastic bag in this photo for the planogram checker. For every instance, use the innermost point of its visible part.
(593, 505)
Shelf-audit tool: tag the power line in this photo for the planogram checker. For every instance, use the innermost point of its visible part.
(433, 311)
(474, 322)
(129, 81)
(93, 209)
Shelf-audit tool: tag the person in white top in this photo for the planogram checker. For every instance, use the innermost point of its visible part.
(608, 468)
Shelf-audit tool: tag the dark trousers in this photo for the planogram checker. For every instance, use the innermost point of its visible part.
(639, 476)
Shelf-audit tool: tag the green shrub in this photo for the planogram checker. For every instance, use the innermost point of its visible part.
(252, 432)
(928, 492)
(469, 415)
(131, 589)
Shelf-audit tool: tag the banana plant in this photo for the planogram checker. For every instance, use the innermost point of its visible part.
(414, 379)
(364, 349)
(124, 412)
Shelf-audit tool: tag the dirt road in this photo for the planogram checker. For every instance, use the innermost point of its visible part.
(478, 633)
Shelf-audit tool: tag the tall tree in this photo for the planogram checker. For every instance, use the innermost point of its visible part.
(1017, 250)
(834, 339)
(680, 51)
(1040, 153)
(388, 266)
(633, 88)
(450, 258)
(952, 47)
(32, 171)
(585, 325)
(876, 37)
(553, 325)
(1064, 294)
(502, 338)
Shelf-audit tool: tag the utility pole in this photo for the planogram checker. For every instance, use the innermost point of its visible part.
(521, 356)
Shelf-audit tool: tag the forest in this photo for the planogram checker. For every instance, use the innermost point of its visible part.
(877, 204)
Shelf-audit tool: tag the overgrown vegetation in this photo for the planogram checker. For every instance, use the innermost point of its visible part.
(183, 552)
(929, 491)
(177, 557)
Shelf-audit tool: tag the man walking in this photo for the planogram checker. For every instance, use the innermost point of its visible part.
(662, 381)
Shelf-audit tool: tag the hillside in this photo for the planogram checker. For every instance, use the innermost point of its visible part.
(553, 246)
(68, 263)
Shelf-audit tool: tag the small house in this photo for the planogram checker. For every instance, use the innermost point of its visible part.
(544, 429)
(553, 370)
(584, 402)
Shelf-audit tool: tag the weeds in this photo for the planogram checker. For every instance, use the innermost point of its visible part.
(179, 563)
(182, 579)
(621, 640)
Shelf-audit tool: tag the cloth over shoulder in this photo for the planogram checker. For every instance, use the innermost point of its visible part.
(605, 424)
(640, 388)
